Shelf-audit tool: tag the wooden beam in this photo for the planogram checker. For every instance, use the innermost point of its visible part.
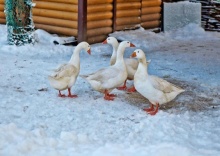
(82, 20)
(114, 15)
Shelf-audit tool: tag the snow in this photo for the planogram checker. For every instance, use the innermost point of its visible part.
(180, 14)
(34, 121)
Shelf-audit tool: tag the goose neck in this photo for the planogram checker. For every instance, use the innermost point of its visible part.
(75, 60)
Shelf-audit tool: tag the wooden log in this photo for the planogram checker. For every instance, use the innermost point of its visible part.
(57, 30)
(126, 1)
(58, 1)
(2, 15)
(99, 16)
(128, 13)
(95, 2)
(55, 22)
(127, 27)
(82, 20)
(151, 3)
(99, 24)
(151, 24)
(56, 6)
(96, 39)
(2, 1)
(128, 6)
(2, 20)
(150, 17)
(150, 10)
(128, 21)
(55, 14)
(99, 31)
(99, 8)
(2, 7)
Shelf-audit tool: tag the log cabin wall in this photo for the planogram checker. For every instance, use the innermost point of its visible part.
(56, 16)
(128, 14)
(99, 20)
(151, 14)
(102, 16)
(2, 14)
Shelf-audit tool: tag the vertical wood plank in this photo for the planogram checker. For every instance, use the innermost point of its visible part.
(114, 15)
(162, 18)
(82, 20)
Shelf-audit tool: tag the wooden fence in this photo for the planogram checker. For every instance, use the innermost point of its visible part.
(93, 20)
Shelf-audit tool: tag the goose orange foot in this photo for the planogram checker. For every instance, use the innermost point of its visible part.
(132, 89)
(151, 110)
(122, 87)
(112, 95)
(109, 97)
(61, 95)
(70, 95)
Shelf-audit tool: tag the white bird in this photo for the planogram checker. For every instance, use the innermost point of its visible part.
(106, 79)
(131, 64)
(65, 76)
(155, 89)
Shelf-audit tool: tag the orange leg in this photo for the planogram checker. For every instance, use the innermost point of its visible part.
(151, 108)
(132, 89)
(154, 111)
(112, 95)
(123, 87)
(61, 95)
(70, 95)
(109, 97)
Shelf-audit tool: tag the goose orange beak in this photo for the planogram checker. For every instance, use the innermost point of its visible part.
(105, 42)
(133, 54)
(89, 51)
(132, 45)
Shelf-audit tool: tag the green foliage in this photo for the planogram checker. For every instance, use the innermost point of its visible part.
(19, 22)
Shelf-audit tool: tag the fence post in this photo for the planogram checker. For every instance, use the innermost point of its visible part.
(82, 21)
(114, 15)
(162, 16)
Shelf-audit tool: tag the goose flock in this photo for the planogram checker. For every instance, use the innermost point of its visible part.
(104, 80)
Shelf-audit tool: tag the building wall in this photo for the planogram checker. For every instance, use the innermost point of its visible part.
(61, 16)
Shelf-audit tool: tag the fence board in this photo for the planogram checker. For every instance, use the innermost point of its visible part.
(150, 17)
(55, 14)
(126, 13)
(99, 8)
(128, 6)
(57, 6)
(57, 30)
(150, 24)
(152, 3)
(2, 20)
(58, 1)
(99, 31)
(150, 10)
(128, 20)
(99, 24)
(99, 16)
(55, 22)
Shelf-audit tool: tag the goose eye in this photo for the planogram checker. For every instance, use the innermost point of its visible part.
(138, 51)
(128, 42)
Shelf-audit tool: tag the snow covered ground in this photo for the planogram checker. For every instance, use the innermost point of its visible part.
(34, 121)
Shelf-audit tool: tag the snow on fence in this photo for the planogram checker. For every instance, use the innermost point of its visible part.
(93, 20)
(180, 14)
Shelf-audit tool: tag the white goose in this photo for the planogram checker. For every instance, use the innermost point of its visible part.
(155, 89)
(65, 76)
(131, 64)
(106, 79)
